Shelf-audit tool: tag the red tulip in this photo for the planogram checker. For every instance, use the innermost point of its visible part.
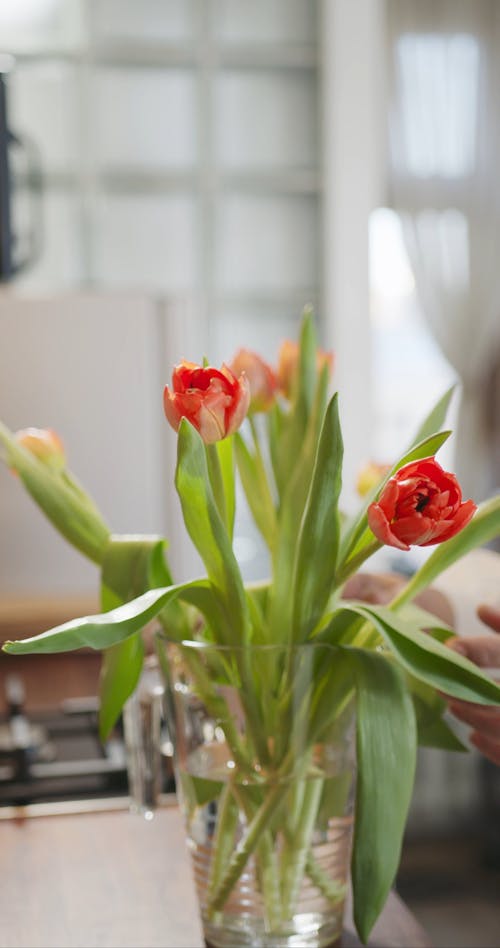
(419, 506)
(45, 444)
(288, 365)
(215, 402)
(261, 378)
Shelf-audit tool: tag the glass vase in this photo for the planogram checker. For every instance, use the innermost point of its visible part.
(264, 754)
(142, 720)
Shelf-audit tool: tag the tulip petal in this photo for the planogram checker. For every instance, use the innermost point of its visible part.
(390, 495)
(260, 376)
(414, 530)
(381, 528)
(209, 425)
(240, 406)
(461, 519)
(172, 413)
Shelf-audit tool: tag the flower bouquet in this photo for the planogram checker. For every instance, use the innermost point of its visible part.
(296, 713)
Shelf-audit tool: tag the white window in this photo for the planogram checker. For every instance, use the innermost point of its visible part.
(179, 151)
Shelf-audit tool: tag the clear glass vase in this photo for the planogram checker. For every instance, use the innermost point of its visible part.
(142, 720)
(265, 774)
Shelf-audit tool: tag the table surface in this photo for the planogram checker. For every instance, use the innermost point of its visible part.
(113, 880)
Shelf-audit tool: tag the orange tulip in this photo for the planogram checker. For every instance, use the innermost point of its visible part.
(261, 378)
(214, 401)
(45, 444)
(288, 365)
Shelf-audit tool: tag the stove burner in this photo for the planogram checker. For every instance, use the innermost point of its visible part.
(57, 755)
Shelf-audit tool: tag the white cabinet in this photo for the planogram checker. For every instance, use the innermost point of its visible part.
(93, 368)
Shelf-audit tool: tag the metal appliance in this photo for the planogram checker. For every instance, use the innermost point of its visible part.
(19, 247)
(56, 755)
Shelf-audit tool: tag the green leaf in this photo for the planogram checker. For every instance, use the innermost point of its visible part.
(339, 627)
(106, 629)
(308, 373)
(484, 526)
(436, 733)
(131, 564)
(293, 501)
(332, 675)
(126, 567)
(198, 791)
(429, 706)
(120, 671)
(435, 419)
(257, 492)
(208, 532)
(440, 736)
(428, 659)
(319, 533)
(357, 535)
(293, 427)
(334, 799)
(68, 508)
(275, 421)
(427, 621)
(174, 618)
(386, 752)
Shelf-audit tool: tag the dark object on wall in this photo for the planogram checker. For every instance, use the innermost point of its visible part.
(15, 257)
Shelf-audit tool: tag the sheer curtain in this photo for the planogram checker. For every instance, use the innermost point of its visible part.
(444, 182)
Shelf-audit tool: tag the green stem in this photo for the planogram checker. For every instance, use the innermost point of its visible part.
(334, 891)
(218, 709)
(252, 711)
(74, 516)
(217, 482)
(366, 637)
(352, 565)
(267, 865)
(296, 846)
(227, 822)
(259, 460)
(246, 847)
(266, 493)
(404, 596)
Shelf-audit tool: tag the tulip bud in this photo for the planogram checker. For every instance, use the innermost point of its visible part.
(214, 402)
(45, 444)
(288, 365)
(261, 379)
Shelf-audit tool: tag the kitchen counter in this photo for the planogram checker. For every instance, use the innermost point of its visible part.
(22, 616)
(111, 879)
(48, 680)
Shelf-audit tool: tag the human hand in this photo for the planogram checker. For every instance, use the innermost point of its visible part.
(381, 588)
(483, 650)
(375, 588)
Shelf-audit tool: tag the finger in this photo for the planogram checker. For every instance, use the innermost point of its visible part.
(490, 616)
(434, 601)
(487, 745)
(486, 720)
(378, 589)
(483, 650)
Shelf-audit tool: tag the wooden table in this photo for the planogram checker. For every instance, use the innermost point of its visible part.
(112, 880)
